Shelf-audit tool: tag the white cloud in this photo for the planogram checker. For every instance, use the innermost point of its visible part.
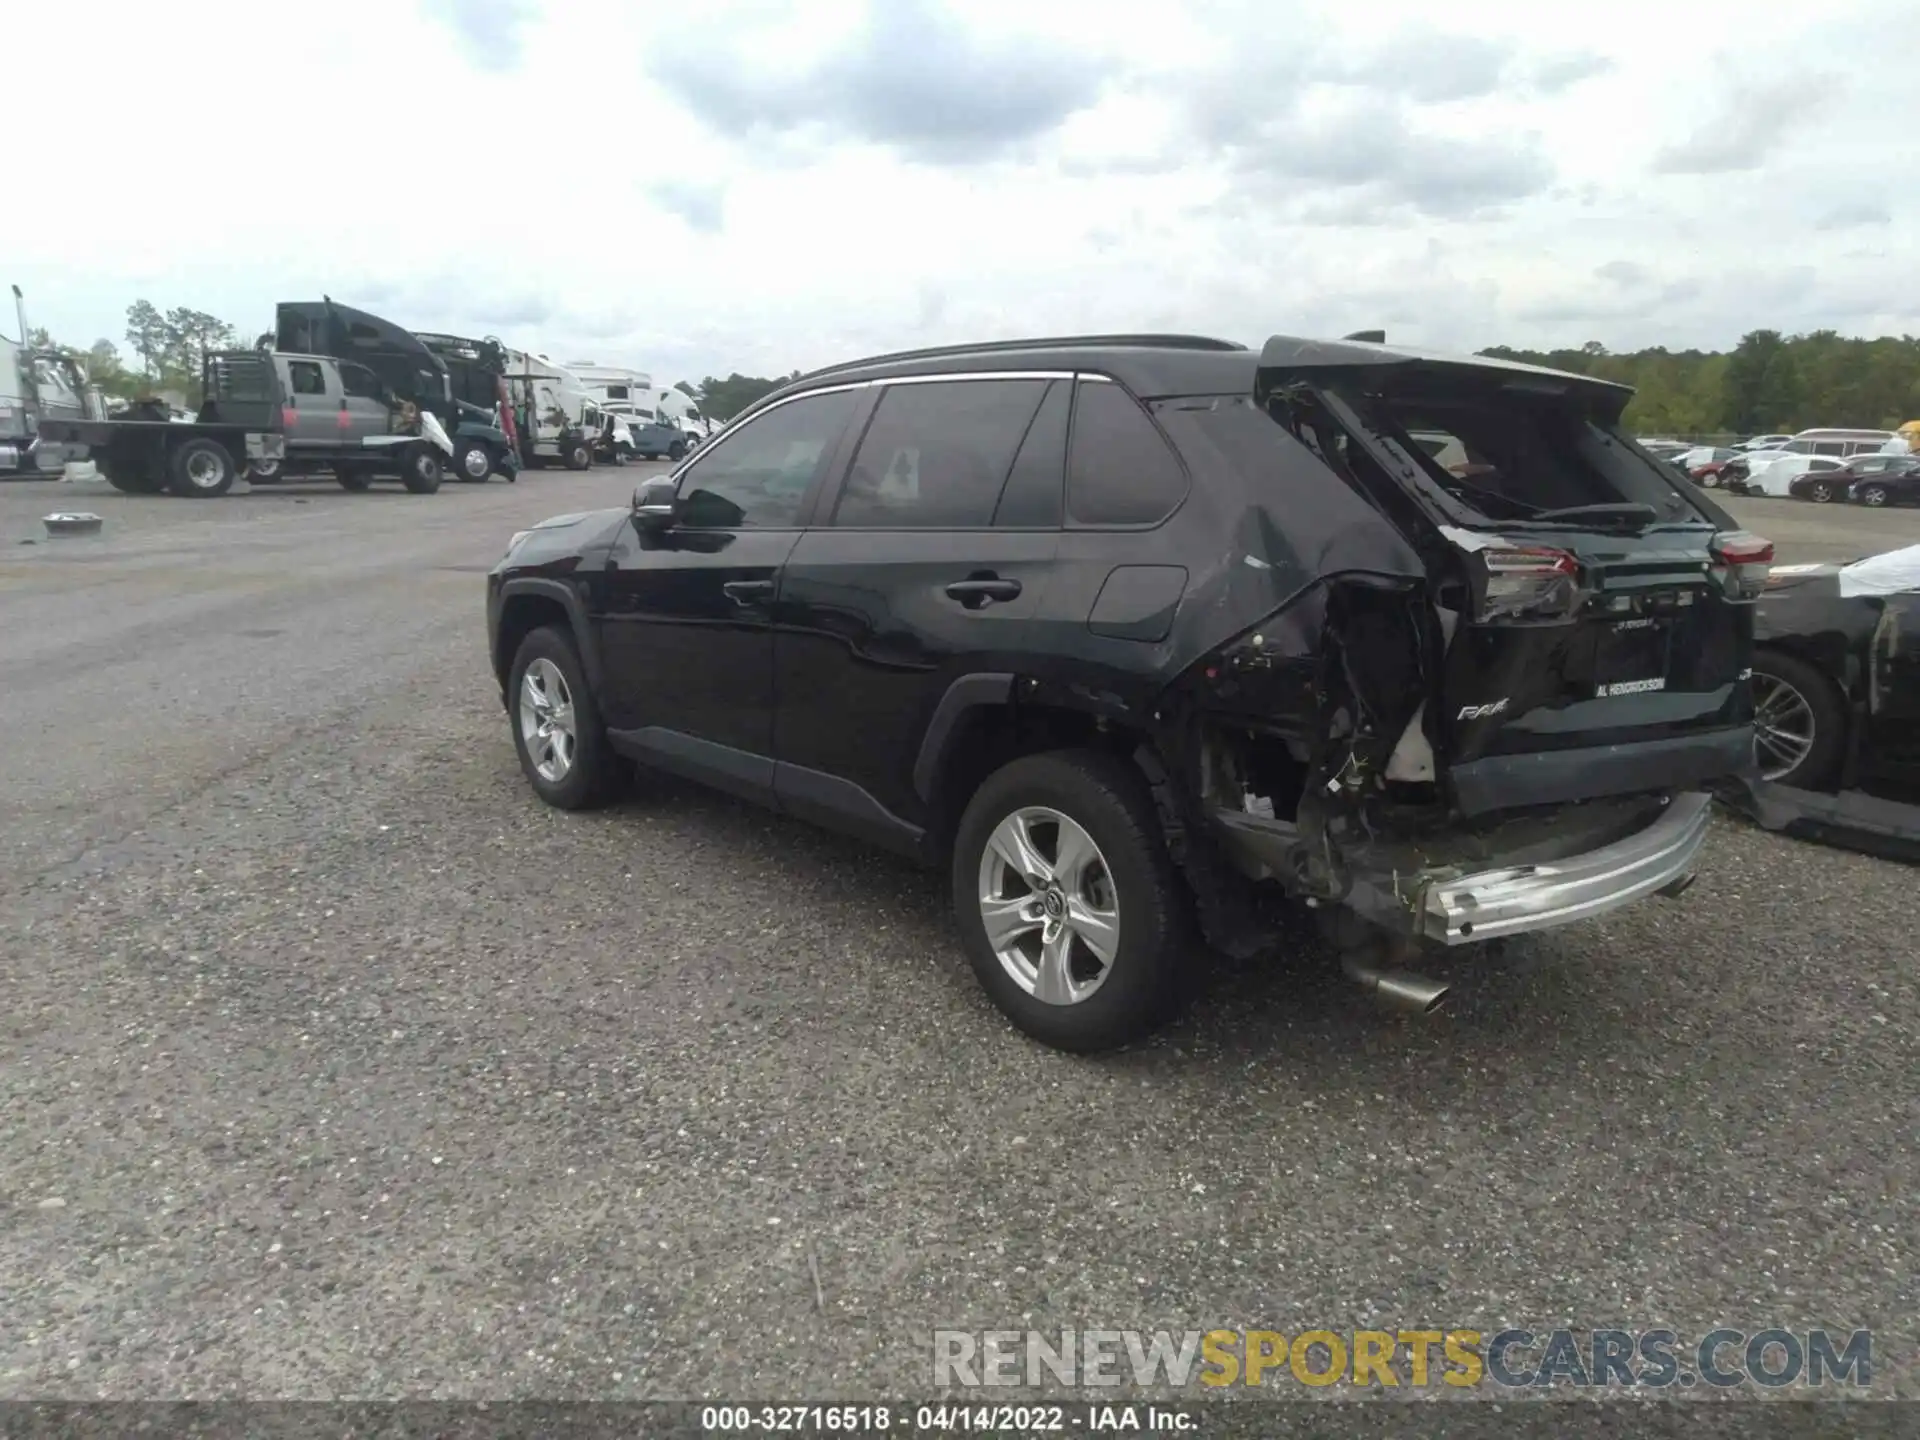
(757, 185)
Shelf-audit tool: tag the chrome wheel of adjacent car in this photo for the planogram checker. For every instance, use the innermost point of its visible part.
(546, 720)
(1821, 492)
(1872, 495)
(1783, 726)
(1048, 903)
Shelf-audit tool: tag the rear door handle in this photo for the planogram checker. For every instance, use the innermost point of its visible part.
(983, 591)
(748, 592)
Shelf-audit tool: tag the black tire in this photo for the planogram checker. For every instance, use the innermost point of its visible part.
(130, 481)
(472, 461)
(677, 450)
(579, 455)
(1876, 495)
(201, 470)
(596, 773)
(650, 455)
(1824, 708)
(1143, 983)
(1820, 492)
(420, 471)
(354, 477)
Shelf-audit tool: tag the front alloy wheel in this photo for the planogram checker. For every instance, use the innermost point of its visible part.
(546, 721)
(1048, 903)
(1821, 492)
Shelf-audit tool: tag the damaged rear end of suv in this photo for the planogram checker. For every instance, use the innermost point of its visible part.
(1493, 697)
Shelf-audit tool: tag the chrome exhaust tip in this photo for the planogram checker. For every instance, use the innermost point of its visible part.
(1398, 988)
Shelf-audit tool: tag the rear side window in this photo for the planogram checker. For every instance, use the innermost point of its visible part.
(936, 455)
(1120, 470)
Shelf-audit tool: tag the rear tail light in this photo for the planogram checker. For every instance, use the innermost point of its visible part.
(1522, 582)
(1742, 562)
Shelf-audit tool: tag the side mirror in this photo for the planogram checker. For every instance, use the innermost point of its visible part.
(655, 502)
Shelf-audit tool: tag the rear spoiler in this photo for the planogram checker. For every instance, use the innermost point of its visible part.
(1289, 360)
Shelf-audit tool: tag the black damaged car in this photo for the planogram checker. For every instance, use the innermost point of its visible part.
(1836, 682)
(1137, 635)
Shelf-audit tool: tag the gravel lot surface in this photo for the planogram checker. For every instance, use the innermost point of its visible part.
(332, 1064)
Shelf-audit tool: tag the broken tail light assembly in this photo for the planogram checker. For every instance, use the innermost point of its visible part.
(1526, 584)
(1741, 563)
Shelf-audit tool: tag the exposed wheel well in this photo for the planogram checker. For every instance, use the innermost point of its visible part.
(989, 736)
(519, 618)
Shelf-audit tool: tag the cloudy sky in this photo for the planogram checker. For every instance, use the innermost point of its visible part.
(719, 185)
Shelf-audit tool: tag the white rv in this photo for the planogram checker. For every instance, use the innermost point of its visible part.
(679, 408)
(558, 414)
(620, 391)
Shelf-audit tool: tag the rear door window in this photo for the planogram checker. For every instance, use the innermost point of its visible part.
(936, 455)
(1120, 469)
(1031, 498)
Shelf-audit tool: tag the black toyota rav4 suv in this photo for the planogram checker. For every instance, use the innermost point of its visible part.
(1138, 634)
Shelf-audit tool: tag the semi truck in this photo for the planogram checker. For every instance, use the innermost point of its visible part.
(460, 387)
(35, 386)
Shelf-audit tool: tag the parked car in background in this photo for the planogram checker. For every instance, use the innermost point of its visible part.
(1842, 443)
(1763, 442)
(1778, 477)
(1879, 480)
(1823, 481)
(1836, 673)
(1740, 471)
(1704, 464)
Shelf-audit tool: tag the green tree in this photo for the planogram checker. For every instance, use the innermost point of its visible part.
(191, 335)
(723, 399)
(147, 337)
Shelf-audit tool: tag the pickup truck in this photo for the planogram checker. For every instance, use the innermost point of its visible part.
(273, 416)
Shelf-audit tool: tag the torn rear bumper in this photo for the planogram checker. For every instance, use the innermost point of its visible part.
(1512, 899)
(1463, 903)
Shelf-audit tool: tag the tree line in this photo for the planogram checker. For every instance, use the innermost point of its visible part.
(168, 350)
(1768, 383)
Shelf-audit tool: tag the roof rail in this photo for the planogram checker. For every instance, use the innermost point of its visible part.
(1057, 342)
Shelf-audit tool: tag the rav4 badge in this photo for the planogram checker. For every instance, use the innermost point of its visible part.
(1481, 712)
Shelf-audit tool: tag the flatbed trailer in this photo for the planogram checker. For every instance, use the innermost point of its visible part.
(240, 423)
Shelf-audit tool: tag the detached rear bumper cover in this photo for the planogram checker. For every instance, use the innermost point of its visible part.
(1509, 900)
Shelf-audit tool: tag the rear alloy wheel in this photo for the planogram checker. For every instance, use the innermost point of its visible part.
(1820, 492)
(1068, 904)
(1874, 495)
(1798, 722)
(201, 469)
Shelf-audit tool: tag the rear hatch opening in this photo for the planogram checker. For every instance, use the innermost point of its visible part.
(1597, 609)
